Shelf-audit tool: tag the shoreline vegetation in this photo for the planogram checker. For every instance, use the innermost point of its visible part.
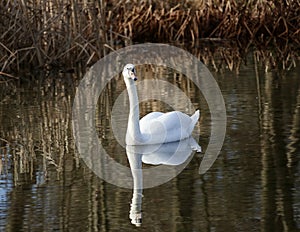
(61, 34)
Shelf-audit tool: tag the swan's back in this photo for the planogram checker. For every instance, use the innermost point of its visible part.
(160, 127)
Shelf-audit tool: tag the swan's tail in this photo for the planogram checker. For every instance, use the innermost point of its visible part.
(195, 118)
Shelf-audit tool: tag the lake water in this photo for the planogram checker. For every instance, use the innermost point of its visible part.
(254, 185)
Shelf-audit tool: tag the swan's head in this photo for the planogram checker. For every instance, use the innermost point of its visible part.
(129, 72)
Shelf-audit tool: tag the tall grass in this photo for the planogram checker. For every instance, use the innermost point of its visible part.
(47, 32)
(63, 33)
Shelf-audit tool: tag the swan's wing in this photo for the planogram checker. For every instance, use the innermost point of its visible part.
(174, 125)
(175, 120)
(168, 127)
(145, 121)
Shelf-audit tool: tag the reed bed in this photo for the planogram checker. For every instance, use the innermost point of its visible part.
(243, 20)
(62, 34)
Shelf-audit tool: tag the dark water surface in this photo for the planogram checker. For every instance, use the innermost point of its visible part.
(254, 185)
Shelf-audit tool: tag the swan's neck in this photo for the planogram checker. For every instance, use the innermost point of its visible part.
(133, 135)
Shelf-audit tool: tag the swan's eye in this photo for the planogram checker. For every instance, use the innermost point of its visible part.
(131, 69)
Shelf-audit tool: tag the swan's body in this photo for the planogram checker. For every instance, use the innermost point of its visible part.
(155, 127)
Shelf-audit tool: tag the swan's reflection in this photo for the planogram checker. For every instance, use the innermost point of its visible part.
(174, 153)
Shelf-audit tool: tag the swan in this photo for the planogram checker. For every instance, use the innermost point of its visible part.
(155, 127)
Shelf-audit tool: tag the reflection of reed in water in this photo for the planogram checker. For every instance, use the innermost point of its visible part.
(293, 138)
(84, 201)
(277, 155)
(37, 133)
(230, 55)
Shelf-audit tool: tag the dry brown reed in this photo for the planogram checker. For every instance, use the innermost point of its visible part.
(62, 33)
(40, 33)
(190, 20)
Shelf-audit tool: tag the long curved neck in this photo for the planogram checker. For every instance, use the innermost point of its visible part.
(133, 135)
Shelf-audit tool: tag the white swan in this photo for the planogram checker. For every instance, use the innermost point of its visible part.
(155, 127)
